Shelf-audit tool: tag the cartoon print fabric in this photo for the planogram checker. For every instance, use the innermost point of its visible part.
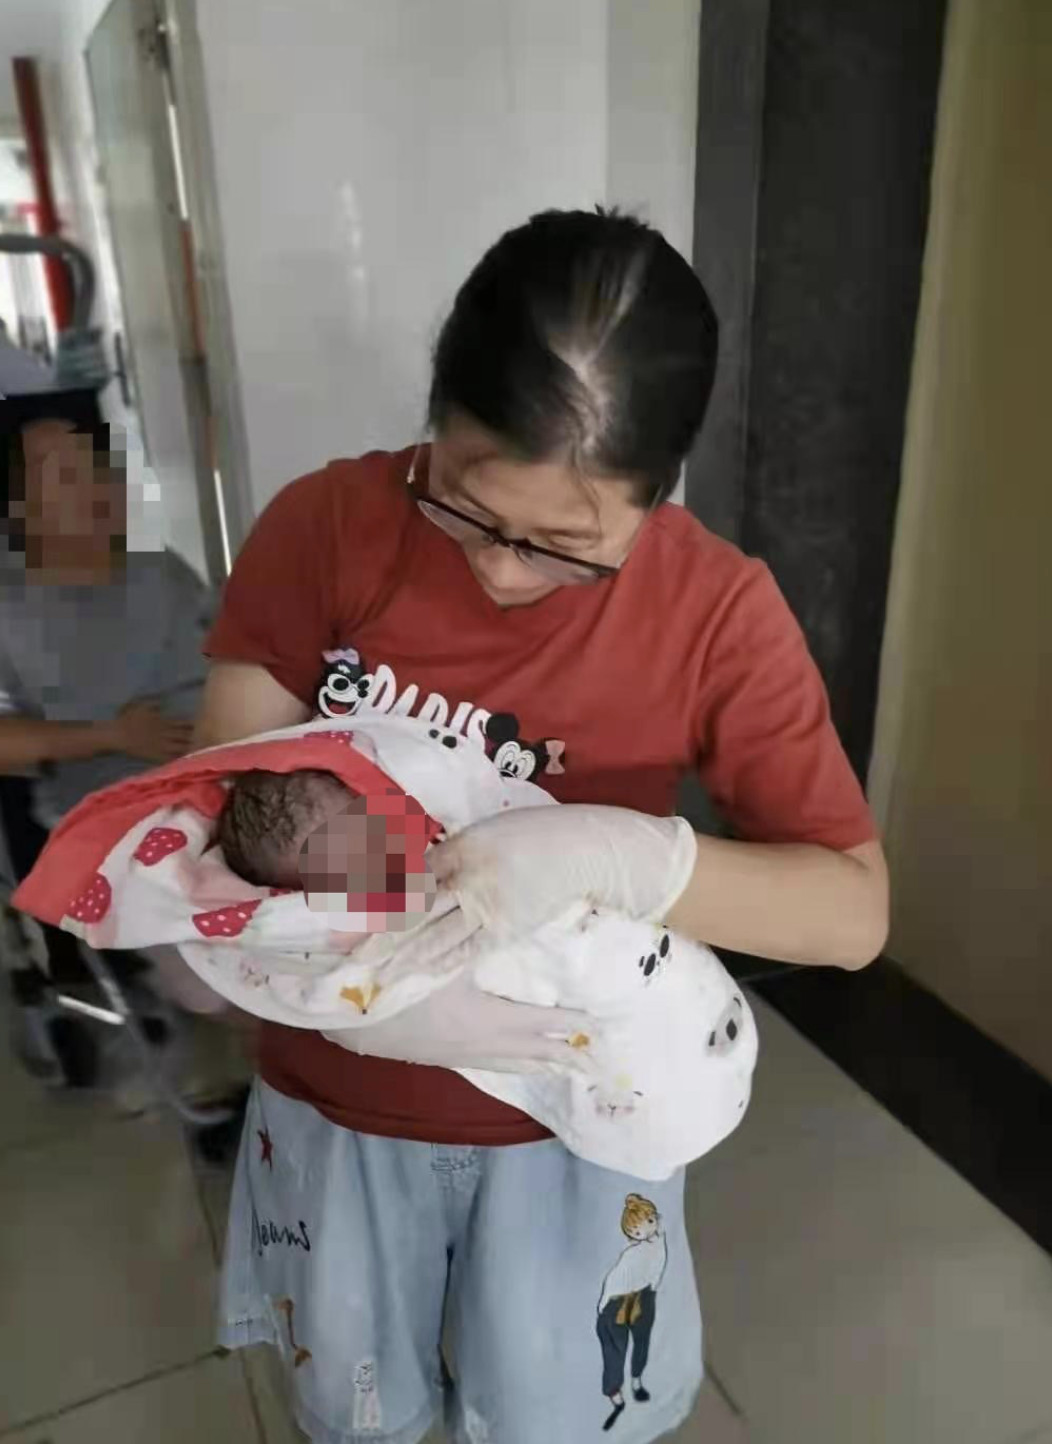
(593, 1308)
(628, 1303)
(676, 1044)
(347, 689)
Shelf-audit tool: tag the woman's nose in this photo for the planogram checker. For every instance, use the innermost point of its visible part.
(501, 569)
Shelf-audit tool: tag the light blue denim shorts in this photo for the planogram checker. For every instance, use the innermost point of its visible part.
(529, 1297)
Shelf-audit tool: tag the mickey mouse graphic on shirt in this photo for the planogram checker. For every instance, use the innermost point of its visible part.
(347, 685)
(344, 684)
(514, 756)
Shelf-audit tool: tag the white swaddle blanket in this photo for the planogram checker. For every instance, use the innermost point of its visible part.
(676, 1043)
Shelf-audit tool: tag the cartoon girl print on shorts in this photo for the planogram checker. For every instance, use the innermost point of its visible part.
(628, 1303)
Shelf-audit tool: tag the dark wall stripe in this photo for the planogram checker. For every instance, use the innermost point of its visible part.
(849, 111)
(727, 178)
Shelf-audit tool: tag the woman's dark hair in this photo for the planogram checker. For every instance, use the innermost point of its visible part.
(585, 336)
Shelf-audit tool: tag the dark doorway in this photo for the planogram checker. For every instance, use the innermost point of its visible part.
(815, 135)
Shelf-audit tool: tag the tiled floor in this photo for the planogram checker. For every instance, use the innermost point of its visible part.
(856, 1290)
(982, 1109)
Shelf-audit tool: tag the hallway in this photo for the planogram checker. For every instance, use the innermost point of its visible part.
(856, 1290)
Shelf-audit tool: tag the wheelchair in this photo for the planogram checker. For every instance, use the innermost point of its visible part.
(64, 995)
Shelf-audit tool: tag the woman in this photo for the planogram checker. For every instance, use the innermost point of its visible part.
(521, 583)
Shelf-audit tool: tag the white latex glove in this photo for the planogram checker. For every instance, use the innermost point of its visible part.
(460, 1026)
(516, 871)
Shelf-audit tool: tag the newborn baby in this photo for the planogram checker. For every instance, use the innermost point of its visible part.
(308, 829)
(317, 910)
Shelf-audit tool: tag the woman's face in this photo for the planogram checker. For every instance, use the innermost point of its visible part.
(543, 502)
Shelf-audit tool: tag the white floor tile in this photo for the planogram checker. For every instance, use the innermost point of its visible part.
(856, 1288)
(795, 1088)
(207, 1404)
(106, 1264)
(713, 1422)
(263, 1369)
(30, 1112)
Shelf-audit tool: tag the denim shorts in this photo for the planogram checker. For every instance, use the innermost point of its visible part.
(530, 1297)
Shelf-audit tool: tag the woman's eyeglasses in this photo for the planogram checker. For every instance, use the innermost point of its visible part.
(555, 566)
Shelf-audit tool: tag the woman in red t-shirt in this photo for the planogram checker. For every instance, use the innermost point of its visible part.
(523, 585)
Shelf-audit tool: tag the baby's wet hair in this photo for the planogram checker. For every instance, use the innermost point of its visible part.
(266, 817)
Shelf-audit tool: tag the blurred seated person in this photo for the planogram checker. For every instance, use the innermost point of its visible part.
(100, 648)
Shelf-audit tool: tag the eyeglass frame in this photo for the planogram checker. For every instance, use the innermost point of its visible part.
(521, 547)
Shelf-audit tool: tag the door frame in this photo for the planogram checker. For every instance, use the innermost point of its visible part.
(171, 73)
(186, 71)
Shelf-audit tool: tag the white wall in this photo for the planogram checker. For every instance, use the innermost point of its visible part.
(652, 112)
(15, 187)
(15, 183)
(27, 27)
(367, 151)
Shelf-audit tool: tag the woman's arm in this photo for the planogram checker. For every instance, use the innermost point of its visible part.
(241, 698)
(809, 885)
(794, 902)
(277, 615)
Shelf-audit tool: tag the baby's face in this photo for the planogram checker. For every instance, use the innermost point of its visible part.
(356, 862)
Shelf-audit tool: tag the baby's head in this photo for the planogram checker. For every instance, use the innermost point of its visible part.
(306, 829)
(267, 817)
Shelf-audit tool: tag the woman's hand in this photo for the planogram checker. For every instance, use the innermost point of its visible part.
(460, 1026)
(514, 872)
(793, 902)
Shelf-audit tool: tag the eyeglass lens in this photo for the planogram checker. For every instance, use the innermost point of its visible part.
(556, 569)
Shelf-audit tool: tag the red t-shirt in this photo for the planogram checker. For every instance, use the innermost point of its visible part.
(689, 661)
